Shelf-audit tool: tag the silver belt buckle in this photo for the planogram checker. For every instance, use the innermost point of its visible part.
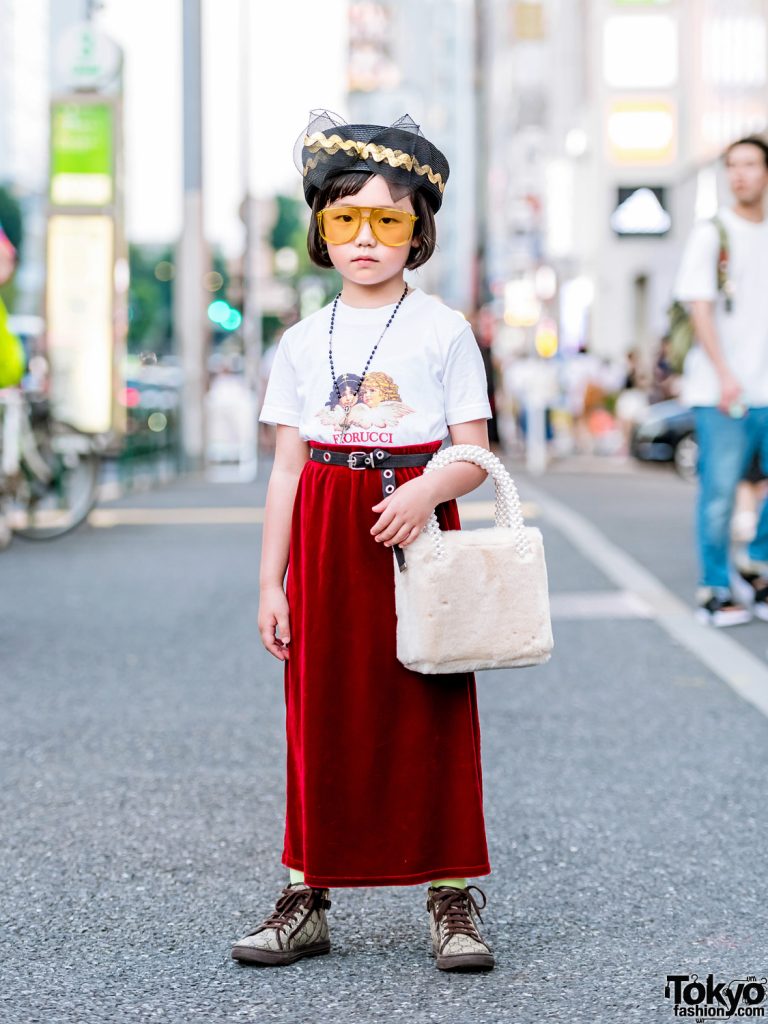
(351, 459)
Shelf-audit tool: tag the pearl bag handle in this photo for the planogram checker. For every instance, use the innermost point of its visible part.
(508, 512)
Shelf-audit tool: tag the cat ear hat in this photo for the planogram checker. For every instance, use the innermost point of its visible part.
(400, 153)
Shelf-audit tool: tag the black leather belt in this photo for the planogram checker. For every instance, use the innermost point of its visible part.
(376, 458)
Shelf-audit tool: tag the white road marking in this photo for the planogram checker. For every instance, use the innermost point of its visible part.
(746, 674)
(470, 512)
(598, 604)
(484, 511)
(106, 517)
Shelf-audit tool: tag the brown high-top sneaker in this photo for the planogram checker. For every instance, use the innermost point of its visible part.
(297, 928)
(457, 943)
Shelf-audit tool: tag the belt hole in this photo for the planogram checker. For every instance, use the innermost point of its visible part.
(327, 456)
(387, 473)
(389, 488)
(379, 455)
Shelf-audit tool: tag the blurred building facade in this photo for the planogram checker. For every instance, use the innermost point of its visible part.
(584, 138)
(23, 92)
(605, 121)
(672, 84)
(419, 58)
(534, 97)
(24, 64)
(30, 31)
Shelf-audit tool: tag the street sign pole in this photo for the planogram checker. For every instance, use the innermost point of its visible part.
(86, 259)
(252, 334)
(190, 299)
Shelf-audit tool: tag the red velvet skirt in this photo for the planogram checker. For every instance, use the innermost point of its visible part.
(384, 782)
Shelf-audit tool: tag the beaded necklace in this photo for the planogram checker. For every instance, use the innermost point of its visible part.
(345, 421)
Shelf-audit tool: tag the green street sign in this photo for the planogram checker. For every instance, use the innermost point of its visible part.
(82, 160)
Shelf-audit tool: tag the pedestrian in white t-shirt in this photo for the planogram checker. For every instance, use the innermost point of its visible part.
(725, 380)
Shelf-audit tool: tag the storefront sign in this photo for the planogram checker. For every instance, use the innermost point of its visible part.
(641, 131)
(82, 154)
(81, 259)
(641, 211)
(87, 60)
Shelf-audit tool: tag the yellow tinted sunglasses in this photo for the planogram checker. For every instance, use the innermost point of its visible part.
(340, 224)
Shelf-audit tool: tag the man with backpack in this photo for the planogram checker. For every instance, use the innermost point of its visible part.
(723, 279)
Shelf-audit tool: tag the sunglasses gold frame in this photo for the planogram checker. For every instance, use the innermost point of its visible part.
(371, 223)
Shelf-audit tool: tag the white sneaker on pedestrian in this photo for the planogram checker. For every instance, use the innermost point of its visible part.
(751, 585)
(720, 608)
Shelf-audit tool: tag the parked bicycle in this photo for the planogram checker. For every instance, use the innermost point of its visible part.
(49, 471)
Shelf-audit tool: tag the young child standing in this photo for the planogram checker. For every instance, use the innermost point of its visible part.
(384, 783)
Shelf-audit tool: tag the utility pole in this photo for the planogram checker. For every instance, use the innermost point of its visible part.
(191, 328)
(482, 93)
(252, 334)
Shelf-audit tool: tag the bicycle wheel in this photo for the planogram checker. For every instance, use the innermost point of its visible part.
(44, 510)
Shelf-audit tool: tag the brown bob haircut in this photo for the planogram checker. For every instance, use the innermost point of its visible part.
(349, 184)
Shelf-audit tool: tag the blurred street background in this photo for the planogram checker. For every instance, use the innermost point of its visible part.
(148, 191)
(584, 139)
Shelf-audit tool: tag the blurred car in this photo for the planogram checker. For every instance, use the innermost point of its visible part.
(666, 434)
(152, 416)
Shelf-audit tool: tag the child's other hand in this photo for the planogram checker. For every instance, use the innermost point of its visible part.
(404, 513)
(273, 614)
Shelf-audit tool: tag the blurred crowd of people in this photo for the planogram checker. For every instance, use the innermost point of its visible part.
(591, 404)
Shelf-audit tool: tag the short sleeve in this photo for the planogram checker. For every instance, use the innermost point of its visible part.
(465, 385)
(697, 276)
(281, 399)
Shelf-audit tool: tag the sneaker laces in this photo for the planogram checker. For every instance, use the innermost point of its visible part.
(289, 903)
(452, 907)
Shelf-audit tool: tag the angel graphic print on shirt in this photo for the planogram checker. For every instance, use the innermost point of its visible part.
(427, 374)
(373, 408)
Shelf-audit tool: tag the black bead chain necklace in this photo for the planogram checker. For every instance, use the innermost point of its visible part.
(345, 422)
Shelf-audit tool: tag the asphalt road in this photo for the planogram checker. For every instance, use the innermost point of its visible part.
(141, 804)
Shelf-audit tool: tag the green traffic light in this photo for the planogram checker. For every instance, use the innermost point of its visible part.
(224, 316)
(219, 311)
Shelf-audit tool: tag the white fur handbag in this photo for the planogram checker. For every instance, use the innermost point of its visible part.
(474, 599)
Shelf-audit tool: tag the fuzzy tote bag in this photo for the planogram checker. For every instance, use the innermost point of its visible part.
(474, 599)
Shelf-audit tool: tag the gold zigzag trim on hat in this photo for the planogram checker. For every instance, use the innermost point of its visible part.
(394, 157)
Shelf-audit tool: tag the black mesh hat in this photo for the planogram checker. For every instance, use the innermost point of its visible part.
(400, 153)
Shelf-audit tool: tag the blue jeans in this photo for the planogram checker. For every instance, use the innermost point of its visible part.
(726, 448)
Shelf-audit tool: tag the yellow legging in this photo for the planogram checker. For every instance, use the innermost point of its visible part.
(457, 883)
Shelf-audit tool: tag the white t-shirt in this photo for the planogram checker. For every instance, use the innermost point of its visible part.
(742, 333)
(427, 374)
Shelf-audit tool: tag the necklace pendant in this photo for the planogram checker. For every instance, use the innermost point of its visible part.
(345, 421)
